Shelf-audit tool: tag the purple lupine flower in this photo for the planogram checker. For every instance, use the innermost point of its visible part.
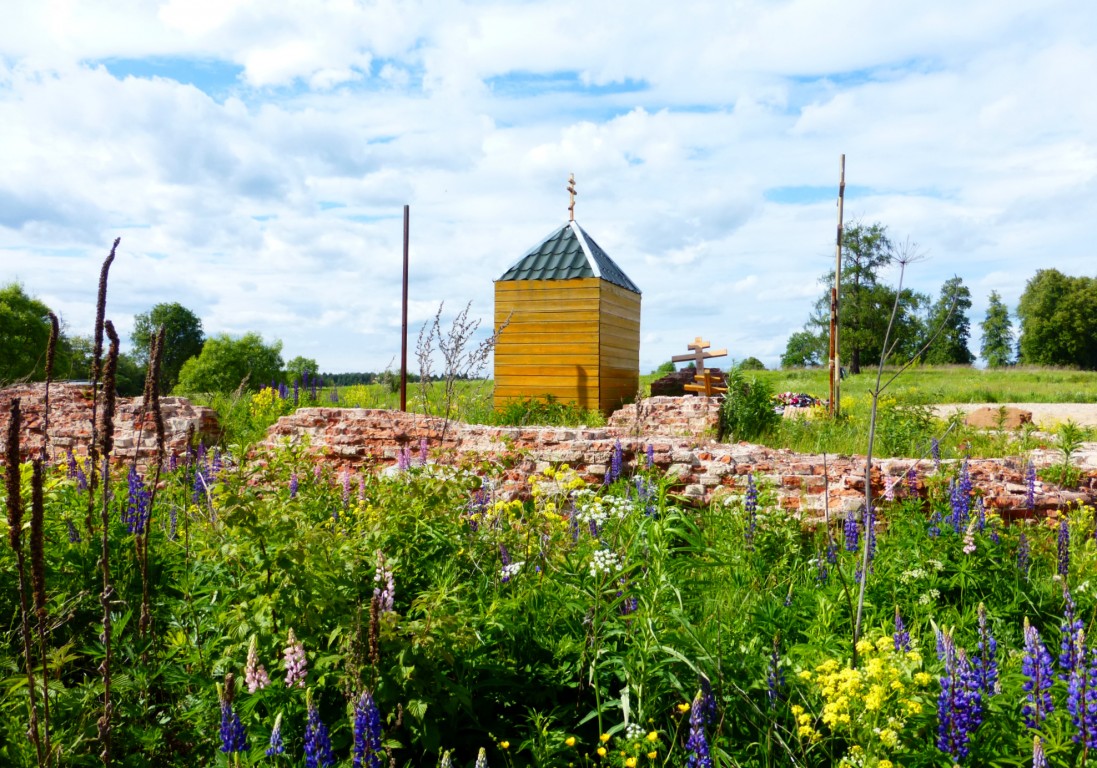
(74, 535)
(294, 484)
(403, 461)
(889, 489)
(980, 514)
(317, 473)
(852, 531)
(1039, 759)
(361, 489)
(1063, 549)
(959, 705)
(233, 736)
(333, 396)
(912, 480)
(71, 465)
(367, 732)
(173, 462)
(960, 499)
(697, 745)
(1082, 695)
(775, 679)
(481, 759)
(615, 462)
(832, 552)
(295, 662)
(708, 699)
(651, 455)
(385, 589)
(276, 747)
(296, 393)
(822, 574)
(934, 529)
(255, 674)
(81, 479)
(1069, 631)
(750, 504)
(317, 742)
(1030, 485)
(346, 490)
(935, 451)
(504, 555)
(985, 663)
(1036, 666)
(1023, 554)
(901, 635)
(136, 513)
(422, 451)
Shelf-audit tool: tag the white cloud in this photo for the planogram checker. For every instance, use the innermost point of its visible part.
(264, 186)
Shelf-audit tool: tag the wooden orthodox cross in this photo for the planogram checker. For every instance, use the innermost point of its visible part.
(704, 381)
(571, 195)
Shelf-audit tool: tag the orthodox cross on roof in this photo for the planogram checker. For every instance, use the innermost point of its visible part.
(699, 355)
(571, 195)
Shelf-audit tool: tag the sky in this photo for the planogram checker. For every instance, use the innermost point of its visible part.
(254, 156)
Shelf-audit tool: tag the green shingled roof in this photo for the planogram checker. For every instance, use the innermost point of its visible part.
(568, 253)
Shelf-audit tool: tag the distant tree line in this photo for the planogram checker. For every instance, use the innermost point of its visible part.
(191, 362)
(1057, 320)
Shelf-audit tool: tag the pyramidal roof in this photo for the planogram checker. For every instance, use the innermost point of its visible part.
(566, 254)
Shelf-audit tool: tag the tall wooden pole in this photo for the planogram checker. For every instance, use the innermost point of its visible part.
(835, 298)
(404, 320)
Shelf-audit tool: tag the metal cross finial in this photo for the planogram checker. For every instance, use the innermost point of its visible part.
(571, 194)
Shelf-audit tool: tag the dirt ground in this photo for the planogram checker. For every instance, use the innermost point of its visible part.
(1044, 415)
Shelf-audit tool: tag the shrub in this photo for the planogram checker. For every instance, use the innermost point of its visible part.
(747, 412)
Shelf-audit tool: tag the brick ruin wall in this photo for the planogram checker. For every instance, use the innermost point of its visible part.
(70, 423)
(680, 431)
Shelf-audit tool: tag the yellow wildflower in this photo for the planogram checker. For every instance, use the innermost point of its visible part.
(601, 751)
(652, 755)
(630, 762)
(570, 741)
(652, 736)
(683, 708)
(604, 738)
(504, 745)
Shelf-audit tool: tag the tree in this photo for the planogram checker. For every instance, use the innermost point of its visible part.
(752, 364)
(866, 303)
(997, 348)
(804, 349)
(298, 367)
(226, 363)
(949, 313)
(24, 336)
(1058, 322)
(183, 339)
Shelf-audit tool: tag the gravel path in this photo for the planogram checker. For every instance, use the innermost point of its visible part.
(1045, 415)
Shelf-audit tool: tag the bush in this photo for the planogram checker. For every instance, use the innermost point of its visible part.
(747, 412)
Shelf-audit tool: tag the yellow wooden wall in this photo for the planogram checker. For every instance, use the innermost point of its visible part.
(578, 340)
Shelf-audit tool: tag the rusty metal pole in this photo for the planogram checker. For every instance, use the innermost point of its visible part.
(836, 359)
(404, 320)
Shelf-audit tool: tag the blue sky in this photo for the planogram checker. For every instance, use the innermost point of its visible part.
(254, 157)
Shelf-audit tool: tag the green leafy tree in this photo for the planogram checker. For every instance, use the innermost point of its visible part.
(226, 363)
(804, 349)
(24, 336)
(752, 364)
(997, 348)
(950, 314)
(299, 366)
(183, 339)
(1058, 321)
(866, 303)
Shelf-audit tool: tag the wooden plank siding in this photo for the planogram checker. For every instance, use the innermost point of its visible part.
(576, 340)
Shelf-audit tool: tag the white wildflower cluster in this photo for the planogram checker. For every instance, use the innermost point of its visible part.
(929, 597)
(633, 731)
(590, 507)
(937, 565)
(511, 570)
(912, 575)
(604, 561)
